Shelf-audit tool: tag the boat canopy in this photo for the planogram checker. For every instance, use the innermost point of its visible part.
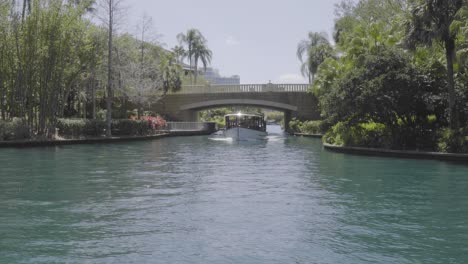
(249, 121)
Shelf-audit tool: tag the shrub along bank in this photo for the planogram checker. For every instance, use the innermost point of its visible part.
(79, 128)
(82, 128)
(17, 129)
(374, 135)
(378, 135)
(314, 127)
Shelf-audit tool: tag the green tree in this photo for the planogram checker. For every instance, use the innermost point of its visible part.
(312, 52)
(434, 20)
(145, 72)
(179, 53)
(170, 73)
(384, 87)
(189, 39)
(196, 48)
(202, 53)
(111, 8)
(145, 77)
(6, 49)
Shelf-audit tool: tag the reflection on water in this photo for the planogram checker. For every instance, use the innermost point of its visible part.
(275, 133)
(200, 200)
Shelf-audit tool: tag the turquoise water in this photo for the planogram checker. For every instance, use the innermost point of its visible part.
(206, 200)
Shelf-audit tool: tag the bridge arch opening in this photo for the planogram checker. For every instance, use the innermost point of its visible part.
(192, 110)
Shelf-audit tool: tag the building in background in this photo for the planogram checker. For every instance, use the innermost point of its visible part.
(212, 76)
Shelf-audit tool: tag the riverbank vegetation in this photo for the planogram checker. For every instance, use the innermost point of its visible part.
(397, 76)
(63, 59)
(311, 127)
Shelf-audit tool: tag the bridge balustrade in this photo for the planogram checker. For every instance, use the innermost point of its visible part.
(189, 126)
(243, 88)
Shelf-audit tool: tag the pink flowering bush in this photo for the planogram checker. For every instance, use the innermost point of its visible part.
(155, 123)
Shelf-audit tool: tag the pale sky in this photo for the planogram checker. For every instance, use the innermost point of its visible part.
(256, 39)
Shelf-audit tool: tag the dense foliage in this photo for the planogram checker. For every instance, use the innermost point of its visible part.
(15, 129)
(53, 65)
(315, 127)
(400, 77)
(85, 128)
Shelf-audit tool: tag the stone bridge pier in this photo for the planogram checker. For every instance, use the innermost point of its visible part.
(293, 101)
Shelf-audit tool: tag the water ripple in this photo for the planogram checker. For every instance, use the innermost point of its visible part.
(206, 200)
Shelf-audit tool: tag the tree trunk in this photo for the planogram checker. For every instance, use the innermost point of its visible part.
(139, 107)
(78, 110)
(2, 100)
(23, 13)
(142, 61)
(450, 55)
(139, 111)
(108, 114)
(196, 71)
(190, 62)
(123, 107)
(93, 96)
(109, 73)
(83, 109)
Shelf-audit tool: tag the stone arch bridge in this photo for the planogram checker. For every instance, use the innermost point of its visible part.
(292, 99)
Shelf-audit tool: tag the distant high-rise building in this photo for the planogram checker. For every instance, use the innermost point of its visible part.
(212, 75)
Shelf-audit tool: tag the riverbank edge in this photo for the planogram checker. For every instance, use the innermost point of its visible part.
(398, 153)
(103, 140)
(308, 135)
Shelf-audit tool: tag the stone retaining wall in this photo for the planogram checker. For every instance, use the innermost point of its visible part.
(463, 158)
(308, 135)
(50, 143)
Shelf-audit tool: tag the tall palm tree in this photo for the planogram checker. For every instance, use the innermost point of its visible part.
(308, 47)
(317, 56)
(189, 39)
(433, 20)
(201, 52)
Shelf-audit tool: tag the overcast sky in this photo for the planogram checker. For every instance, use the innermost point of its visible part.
(255, 39)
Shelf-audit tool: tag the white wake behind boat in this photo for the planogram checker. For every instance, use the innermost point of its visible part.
(245, 127)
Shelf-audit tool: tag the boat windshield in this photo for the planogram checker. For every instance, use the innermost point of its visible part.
(246, 121)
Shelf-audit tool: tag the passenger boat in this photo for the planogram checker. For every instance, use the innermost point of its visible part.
(245, 126)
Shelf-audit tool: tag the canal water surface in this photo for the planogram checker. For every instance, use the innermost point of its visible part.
(206, 200)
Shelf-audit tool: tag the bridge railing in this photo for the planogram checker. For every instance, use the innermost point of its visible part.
(243, 88)
(190, 126)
